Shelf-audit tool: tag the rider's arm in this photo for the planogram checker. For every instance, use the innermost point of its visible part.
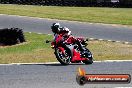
(69, 33)
(64, 31)
(67, 30)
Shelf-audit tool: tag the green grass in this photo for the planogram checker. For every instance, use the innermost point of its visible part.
(103, 50)
(35, 50)
(85, 14)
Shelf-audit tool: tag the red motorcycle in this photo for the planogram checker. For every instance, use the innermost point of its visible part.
(68, 51)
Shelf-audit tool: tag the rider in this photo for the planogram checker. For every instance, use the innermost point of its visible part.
(56, 29)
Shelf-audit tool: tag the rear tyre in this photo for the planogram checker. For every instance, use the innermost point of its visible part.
(63, 58)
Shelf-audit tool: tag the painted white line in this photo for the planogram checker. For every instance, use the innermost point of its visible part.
(97, 61)
(90, 23)
(100, 39)
(126, 42)
(39, 33)
(34, 63)
(113, 61)
(5, 64)
(91, 38)
(117, 41)
(49, 34)
(123, 87)
(109, 40)
(52, 62)
(117, 61)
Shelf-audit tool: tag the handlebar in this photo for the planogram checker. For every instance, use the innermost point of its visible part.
(86, 39)
(47, 41)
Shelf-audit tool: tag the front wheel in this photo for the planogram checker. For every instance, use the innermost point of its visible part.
(89, 57)
(63, 57)
(88, 61)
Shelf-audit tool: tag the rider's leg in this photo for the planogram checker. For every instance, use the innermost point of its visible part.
(80, 45)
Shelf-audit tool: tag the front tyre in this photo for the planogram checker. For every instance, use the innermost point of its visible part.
(88, 61)
(63, 58)
(89, 57)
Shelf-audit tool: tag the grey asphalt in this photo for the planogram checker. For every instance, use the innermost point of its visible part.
(99, 31)
(58, 76)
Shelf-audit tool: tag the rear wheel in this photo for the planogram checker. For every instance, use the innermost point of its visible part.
(63, 58)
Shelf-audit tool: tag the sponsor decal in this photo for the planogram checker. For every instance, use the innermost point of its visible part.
(83, 78)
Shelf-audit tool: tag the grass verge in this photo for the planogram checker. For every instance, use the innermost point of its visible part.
(35, 50)
(85, 14)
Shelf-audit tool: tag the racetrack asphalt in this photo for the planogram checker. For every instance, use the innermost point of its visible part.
(91, 30)
(58, 76)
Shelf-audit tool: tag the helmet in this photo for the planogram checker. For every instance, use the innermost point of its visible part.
(55, 27)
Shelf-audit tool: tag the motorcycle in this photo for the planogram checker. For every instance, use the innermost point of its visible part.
(68, 51)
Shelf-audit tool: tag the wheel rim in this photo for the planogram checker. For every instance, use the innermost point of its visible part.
(65, 58)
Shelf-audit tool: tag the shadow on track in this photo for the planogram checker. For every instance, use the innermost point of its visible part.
(56, 64)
